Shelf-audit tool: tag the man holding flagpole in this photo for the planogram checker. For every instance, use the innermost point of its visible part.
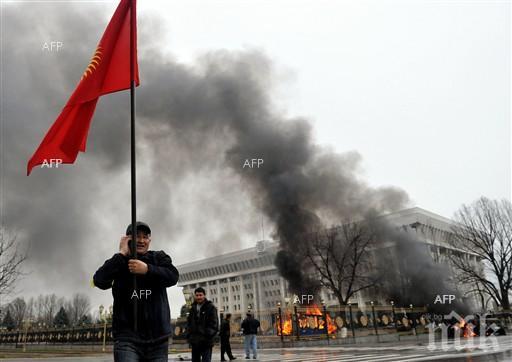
(141, 310)
(155, 273)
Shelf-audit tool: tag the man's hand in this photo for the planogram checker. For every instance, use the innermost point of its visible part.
(123, 245)
(137, 267)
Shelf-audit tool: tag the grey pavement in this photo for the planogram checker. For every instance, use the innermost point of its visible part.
(476, 350)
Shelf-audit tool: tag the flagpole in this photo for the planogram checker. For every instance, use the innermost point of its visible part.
(132, 154)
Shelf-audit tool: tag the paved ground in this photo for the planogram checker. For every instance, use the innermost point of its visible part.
(478, 351)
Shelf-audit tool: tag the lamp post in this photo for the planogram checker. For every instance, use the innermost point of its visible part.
(325, 320)
(104, 316)
(413, 321)
(101, 308)
(393, 315)
(280, 321)
(374, 321)
(351, 321)
(393, 312)
(296, 315)
(188, 297)
(39, 329)
(26, 322)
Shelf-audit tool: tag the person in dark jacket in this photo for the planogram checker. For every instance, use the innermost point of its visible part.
(154, 272)
(202, 326)
(250, 327)
(225, 333)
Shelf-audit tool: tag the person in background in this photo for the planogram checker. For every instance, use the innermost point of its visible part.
(250, 327)
(225, 333)
(202, 326)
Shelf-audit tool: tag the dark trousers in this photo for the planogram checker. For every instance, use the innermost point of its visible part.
(225, 347)
(125, 351)
(201, 353)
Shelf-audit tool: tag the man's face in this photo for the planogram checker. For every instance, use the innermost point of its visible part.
(143, 241)
(199, 297)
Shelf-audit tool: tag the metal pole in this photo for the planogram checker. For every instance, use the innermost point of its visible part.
(25, 337)
(296, 322)
(132, 154)
(104, 334)
(413, 321)
(375, 322)
(326, 323)
(351, 321)
(394, 318)
(280, 322)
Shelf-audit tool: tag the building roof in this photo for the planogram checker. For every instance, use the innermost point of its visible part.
(402, 217)
(263, 247)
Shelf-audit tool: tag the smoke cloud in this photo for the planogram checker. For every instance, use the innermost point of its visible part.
(197, 124)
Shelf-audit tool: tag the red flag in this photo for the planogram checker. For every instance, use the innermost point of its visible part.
(108, 71)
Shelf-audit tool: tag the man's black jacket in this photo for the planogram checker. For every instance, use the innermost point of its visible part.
(225, 330)
(250, 326)
(153, 315)
(203, 326)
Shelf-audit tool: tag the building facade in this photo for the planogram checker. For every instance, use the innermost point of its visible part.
(239, 281)
(248, 279)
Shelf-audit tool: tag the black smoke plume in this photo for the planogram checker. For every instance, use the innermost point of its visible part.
(198, 123)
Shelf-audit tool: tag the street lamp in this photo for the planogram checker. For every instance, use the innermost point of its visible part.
(374, 320)
(104, 317)
(188, 298)
(280, 321)
(412, 320)
(325, 320)
(26, 322)
(393, 318)
(351, 321)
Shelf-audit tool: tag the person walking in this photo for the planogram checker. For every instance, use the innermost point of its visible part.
(250, 327)
(225, 334)
(202, 326)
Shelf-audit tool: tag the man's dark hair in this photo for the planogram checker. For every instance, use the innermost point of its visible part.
(228, 315)
(200, 290)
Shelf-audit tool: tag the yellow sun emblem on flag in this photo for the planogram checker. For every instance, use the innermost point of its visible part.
(93, 64)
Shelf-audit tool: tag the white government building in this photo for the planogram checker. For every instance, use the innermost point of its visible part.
(248, 279)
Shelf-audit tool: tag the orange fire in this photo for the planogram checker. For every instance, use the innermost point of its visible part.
(467, 329)
(314, 310)
(287, 325)
(309, 319)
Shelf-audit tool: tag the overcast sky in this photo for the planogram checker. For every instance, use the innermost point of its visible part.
(420, 89)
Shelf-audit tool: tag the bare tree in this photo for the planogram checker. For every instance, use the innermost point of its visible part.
(483, 235)
(39, 309)
(31, 309)
(18, 309)
(78, 307)
(49, 308)
(11, 259)
(341, 257)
